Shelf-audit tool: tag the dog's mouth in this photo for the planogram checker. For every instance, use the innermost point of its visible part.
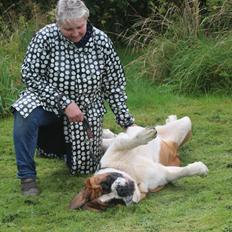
(124, 189)
(128, 200)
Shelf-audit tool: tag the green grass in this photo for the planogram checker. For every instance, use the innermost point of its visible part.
(190, 204)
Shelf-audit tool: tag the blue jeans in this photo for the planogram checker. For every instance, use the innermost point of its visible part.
(25, 139)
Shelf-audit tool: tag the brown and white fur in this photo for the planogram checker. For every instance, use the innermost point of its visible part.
(139, 161)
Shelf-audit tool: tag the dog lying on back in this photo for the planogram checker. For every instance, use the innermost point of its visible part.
(137, 162)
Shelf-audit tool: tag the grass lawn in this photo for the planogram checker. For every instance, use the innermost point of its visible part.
(191, 204)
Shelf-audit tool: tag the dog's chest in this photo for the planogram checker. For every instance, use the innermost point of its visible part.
(132, 158)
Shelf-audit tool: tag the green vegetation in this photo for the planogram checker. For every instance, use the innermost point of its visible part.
(12, 50)
(190, 52)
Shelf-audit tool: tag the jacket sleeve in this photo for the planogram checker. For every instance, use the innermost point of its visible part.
(34, 74)
(114, 85)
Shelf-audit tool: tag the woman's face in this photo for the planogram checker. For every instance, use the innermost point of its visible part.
(74, 29)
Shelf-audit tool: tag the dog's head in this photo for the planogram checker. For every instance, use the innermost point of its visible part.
(104, 190)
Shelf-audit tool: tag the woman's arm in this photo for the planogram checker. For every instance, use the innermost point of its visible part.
(114, 85)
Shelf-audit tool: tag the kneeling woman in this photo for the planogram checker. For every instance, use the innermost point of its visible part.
(69, 70)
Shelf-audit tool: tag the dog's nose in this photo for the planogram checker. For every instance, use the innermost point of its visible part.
(122, 190)
(126, 189)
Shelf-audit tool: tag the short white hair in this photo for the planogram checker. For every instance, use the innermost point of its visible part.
(71, 9)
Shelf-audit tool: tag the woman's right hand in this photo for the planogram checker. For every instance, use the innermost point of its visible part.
(74, 113)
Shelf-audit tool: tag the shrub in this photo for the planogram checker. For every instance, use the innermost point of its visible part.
(187, 54)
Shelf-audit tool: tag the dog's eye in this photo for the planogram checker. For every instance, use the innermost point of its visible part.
(106, 187)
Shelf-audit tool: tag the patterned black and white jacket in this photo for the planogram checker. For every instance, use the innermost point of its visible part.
(57, 71)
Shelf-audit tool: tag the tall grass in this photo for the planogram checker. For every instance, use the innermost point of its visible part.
(220, 18)
(15, 35)
(187, 52)
(204, 67)
(11, 53)
(8, 86)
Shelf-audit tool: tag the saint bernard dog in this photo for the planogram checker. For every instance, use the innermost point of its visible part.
(137, 162)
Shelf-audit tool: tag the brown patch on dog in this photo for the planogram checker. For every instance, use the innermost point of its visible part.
(187, 138)
(169, 154)
(156, 189)
(90, 192)
(96, 205)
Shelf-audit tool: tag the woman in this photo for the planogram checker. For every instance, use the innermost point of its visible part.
(70, 68)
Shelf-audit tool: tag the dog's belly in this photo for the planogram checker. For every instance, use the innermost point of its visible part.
(149, 151)
(134, 162)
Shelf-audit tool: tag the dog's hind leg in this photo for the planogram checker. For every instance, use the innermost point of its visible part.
(123, 142)
(196, 168)
(160, 175)
(177, 131)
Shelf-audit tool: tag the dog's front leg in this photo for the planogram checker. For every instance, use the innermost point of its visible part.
(106, 143)
(123, 142)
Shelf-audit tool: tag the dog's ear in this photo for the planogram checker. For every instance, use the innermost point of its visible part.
(93, 185)
(80, 199)
(90, 192)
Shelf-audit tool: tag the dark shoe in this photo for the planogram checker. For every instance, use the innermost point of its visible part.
(29, 187)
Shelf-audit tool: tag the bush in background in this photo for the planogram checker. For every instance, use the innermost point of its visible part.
(191, 53)
(112, 16)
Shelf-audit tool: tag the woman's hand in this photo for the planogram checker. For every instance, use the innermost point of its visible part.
(74, 113)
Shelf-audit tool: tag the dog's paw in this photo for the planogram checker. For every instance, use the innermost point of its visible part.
(171, 118)
(146, 135)
(198, 168)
